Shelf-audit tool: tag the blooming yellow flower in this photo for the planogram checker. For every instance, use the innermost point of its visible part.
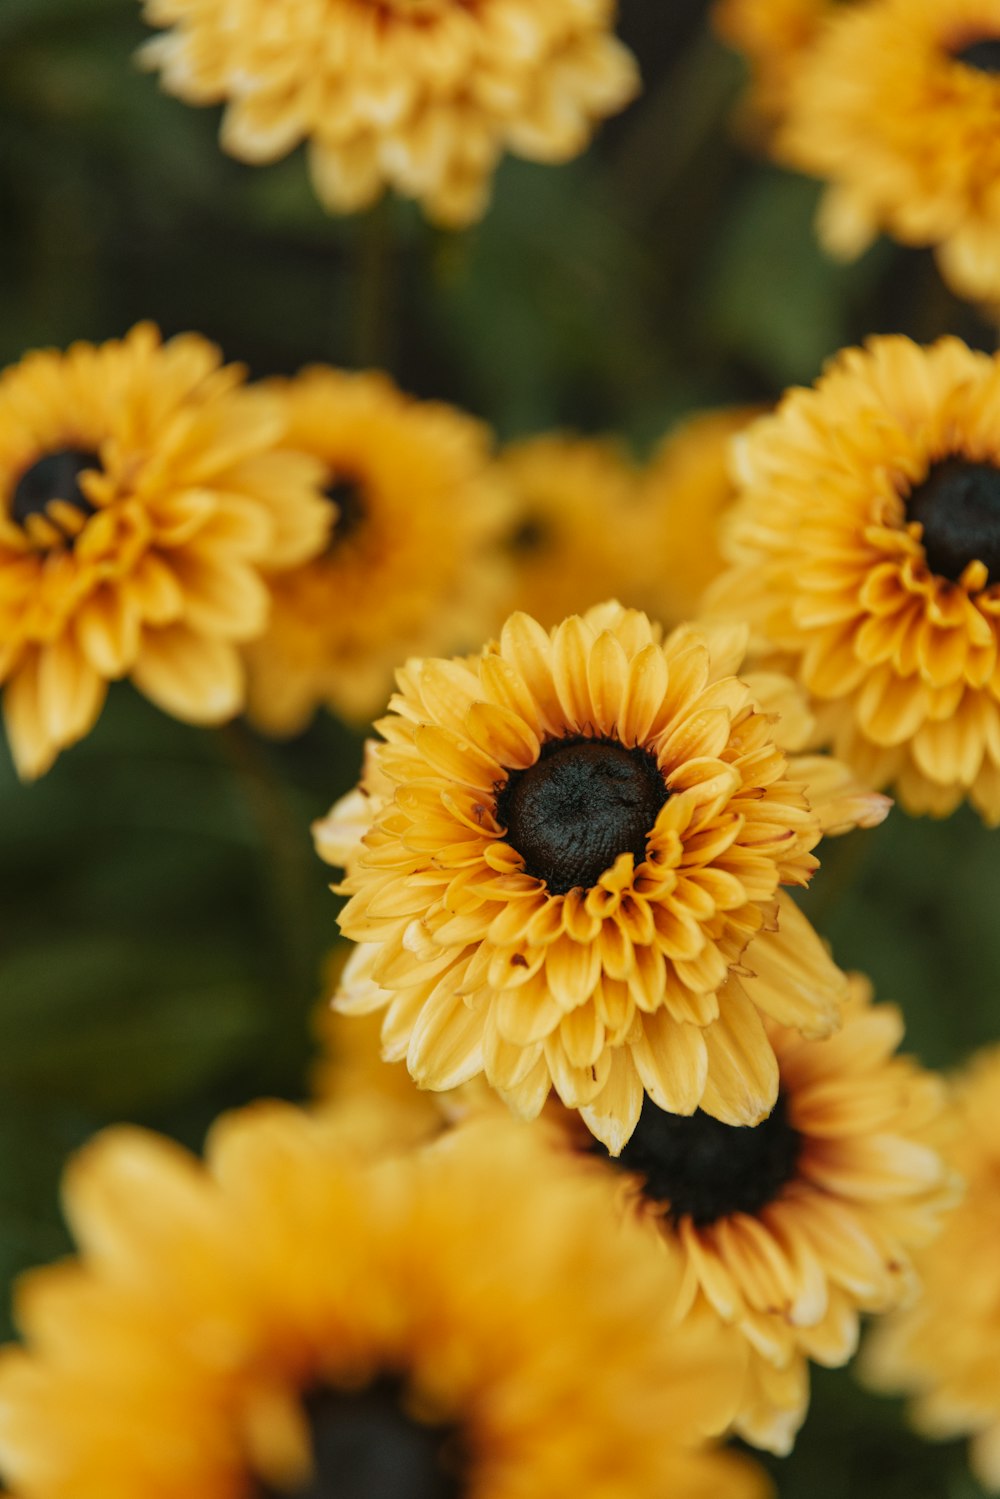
(293, 1320)
(686, 490)
(866, 550)
(942, 1348)
(423, 96)
(773, 36)
(897, 106)
(572, 872)
(791, 1229)
(141, 492)
(572, 539)
(376, 1102)
(412, 565)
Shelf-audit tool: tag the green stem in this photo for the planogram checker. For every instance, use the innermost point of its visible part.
(375, 300)
(287, 866)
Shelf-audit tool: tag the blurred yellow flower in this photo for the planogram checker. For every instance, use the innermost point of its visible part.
(897, 106)
(293, 1319)
(685, 491)
(773, 36)
(571, 875)
(141, 493)
(866, 552)
(942, 1350)
(412, 565)
(571, 541)
(792, 1229)
(422, 96)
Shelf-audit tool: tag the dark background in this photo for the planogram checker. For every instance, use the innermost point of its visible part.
(163, 915)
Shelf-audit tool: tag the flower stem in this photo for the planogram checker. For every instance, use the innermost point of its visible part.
(374, 295)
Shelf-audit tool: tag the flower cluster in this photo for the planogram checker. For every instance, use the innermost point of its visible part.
(605, 1148)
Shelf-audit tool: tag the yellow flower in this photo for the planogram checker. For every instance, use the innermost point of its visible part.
(942, 1349)
(412, 564)
(141, 493)
(423, 96)
(572, 538)
(773, 36)
(897, 106)
(792, 1229)
(572, 874)
(866, 550)
(686, 490)
(292, 1316)
(375, 1101)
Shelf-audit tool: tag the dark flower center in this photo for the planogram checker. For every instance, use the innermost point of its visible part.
(983, 55)
(349, 497)
(532, 535)
(54, 477)
(582, 803)
(958, 505)
(365, 1446)
(701, 1169)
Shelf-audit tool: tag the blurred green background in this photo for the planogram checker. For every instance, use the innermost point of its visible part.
(163, 915)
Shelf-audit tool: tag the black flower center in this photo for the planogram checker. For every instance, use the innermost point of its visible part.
(348, 495)
(958, 505)
(582, 803)
(698, 1168)
(983, 55)
(532, 535)
(365, 1446)
(52, 478)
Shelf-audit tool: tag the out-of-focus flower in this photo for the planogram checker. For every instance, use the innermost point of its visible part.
(423, 96)
(942, 1349)
(684, 494)
(866, 552)
(897, 106)
(572, 538)
(141, 493)
(412, 565)
(773, 36)
(293, 1319)
(573, 868)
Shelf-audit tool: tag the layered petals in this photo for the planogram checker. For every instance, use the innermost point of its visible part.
(141, 495)
(866, 573)
(221, 1320)
(613, 970)
(941, 1349)
(423, 99)
(413, 564)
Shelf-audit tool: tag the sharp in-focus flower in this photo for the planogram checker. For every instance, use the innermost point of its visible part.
(773, 36)
(942, 1350)
(792, 1229)
(572, 540)
(572, 876)
(412, 565)
(295, 1320)
(141, 493)
(897, 107)
(422, 96)
(685, 492)
(866, 551)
